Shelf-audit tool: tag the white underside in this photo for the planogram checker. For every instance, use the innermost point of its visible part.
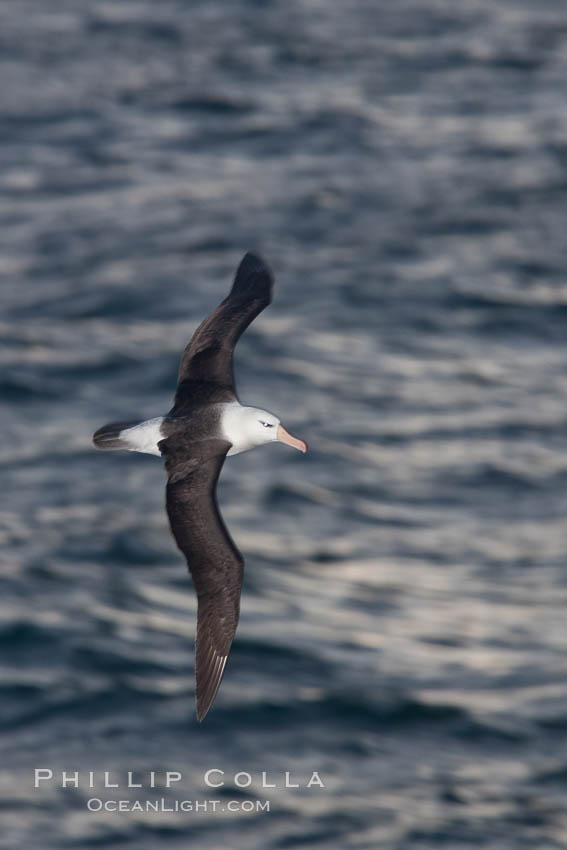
(144, 437)
(238, 425)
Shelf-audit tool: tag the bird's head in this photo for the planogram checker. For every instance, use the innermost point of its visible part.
(263, 427)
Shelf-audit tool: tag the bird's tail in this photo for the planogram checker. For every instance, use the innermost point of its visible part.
(109, 437)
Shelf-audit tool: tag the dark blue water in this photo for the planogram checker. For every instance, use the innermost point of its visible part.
(403, 168)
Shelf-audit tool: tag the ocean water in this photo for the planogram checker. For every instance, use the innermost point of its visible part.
(403, 168)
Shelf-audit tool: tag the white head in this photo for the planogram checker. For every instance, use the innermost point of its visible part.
(248, 427)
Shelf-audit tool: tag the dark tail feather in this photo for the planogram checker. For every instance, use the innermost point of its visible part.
(108, 437)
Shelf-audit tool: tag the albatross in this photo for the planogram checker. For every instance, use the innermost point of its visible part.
(206, 423)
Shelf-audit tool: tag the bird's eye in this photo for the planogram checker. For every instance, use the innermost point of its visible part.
(265, 424)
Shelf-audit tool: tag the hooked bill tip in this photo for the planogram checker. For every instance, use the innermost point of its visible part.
(285, 437)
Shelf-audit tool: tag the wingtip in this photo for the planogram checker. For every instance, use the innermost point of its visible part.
(253, 275)
(201, 713)
(208, 685)
(254, 261)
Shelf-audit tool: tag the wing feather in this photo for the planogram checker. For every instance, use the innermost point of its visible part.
(206, 365)
(215, 563)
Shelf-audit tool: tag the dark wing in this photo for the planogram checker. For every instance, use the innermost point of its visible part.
(215, 563)
(206, 365)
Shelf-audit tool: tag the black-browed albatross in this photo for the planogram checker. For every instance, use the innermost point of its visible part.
(207, 423)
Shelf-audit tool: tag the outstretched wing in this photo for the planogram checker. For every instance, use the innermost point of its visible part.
(206, 364)
(215, 563)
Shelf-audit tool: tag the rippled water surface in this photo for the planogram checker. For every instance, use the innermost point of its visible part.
(403, 168)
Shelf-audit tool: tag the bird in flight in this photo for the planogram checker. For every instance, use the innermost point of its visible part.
(206, 423)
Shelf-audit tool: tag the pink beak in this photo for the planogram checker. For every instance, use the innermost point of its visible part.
(284, 437)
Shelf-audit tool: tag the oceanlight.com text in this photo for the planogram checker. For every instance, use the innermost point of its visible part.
(95, 804)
